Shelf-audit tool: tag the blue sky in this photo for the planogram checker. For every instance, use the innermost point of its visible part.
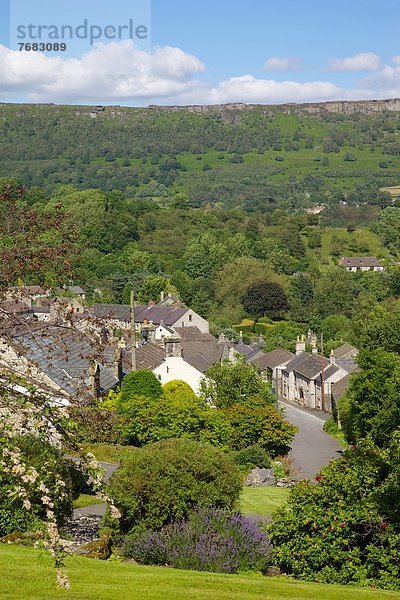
(209, 51)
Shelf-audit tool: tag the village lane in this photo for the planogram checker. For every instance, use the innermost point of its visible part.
(312, 448)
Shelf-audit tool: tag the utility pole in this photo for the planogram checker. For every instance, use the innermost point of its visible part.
(133, 331)
(322, 373)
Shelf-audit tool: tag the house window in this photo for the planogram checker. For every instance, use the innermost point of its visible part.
(190, 318)
(167, 369)
(159, 377)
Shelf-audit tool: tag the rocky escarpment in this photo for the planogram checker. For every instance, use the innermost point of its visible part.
(345, 107)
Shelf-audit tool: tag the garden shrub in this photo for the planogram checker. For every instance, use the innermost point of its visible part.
(209, 540)
(146, 420)
(256, 422)
(176, 390)
(345, 529)
(230, 383)
(140, 383)
(163, 482)
(252, 457)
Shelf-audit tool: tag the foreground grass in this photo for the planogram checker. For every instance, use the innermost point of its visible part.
(26, 576)
(262, 500)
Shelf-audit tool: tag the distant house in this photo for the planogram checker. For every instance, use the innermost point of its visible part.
(77, 291)
(309, 380)
(186, 356)
(16, 308)
(361, 263)
(118, 316)
(345, 351)
(169, 300)
(271, 363)
(64, 304)
(27, 293)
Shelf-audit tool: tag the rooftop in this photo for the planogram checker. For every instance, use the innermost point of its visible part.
(271, 360)
(344, 350)
(122, 312)
(15, 307)
(308, 365)
(359, 261)
(62, 354)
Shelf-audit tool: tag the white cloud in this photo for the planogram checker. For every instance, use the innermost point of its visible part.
(120, 73)
(108, 72)
(364, 61)
(385, 83)
(282, 63)
(249, 89)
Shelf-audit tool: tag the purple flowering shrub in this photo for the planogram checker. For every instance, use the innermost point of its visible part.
(209, 540)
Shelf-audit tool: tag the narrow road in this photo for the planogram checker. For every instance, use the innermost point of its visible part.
(312, 448)
(98, 509)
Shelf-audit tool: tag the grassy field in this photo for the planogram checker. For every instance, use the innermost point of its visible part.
(27, 576)
(263, 500)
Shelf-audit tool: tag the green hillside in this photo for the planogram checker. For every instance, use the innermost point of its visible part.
(258, 158)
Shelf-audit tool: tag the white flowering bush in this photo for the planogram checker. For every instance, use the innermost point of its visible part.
(34, 474)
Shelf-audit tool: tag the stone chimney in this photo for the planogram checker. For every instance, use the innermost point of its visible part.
(118, 364)
(94, 379)
(313, 340)
(162, 296)
(222, 339)
(332, 358)
(300, 345)
(261, 341)
(241, 337)
(173, 347)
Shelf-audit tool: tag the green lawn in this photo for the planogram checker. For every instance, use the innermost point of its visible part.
(262, 500)
(109, 453)
(86, 500)
(25, 575)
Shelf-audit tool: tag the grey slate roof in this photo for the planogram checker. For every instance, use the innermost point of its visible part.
(118, 312)
(63, 354)
(348, 364)
(31, 290)
(149, 356)
(344, 350)
(193, 333)
(76, 289)
(360, 261)
(308, 365)
(245, 349)
(202, 354)
(329, 371)
(201, 350)
(15, 307)
(271, 360)
(121, 312)
(170, 315)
